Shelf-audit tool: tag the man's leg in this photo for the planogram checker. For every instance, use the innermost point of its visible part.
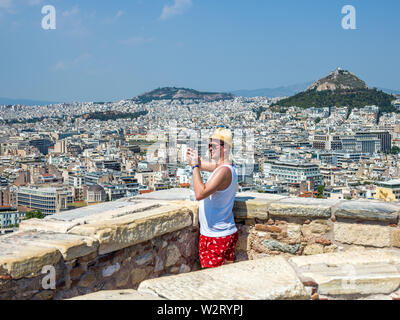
(230, 248)
(215, 252)
(211, 252)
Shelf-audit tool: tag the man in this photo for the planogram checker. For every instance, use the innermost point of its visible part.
(218, 232)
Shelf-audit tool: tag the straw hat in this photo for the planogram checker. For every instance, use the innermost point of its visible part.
(224, 135)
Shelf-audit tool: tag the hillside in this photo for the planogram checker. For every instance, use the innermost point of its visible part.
(340, 88)
(338, 80)
(172, 93)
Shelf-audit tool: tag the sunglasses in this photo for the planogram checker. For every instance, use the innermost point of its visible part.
(214, 145)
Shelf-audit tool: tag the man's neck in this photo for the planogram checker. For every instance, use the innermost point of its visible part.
(223, 161)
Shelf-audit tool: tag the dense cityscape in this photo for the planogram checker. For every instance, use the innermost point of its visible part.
(59, 157)
(192, 157)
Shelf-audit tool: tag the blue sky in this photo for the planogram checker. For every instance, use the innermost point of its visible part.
(111, 50)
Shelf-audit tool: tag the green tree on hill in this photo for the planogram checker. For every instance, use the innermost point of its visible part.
(352, 98)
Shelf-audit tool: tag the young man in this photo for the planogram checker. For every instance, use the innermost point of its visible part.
(218, 232)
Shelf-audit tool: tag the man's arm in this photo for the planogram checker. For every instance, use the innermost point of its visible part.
(219, 181)
(209, 166)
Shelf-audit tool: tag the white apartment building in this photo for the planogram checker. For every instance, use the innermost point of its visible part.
(293, 172)
(48, 200)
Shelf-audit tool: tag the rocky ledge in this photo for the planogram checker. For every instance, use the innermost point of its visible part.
(288, 248)
(356, 274)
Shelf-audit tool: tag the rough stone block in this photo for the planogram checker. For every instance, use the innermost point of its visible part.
(20, 261)
(312, 249)
(293, 231)
(87, 280)
(122, 232)
(174, 270)
(64, 222)
(159, 265)
(396, 238)
(269, 278)
(351, 272)
(106, 210)
(301, 207)
(365, 235)
(244, 241)
(316, 227)
(367, 210)
(110, 270)
(190, 247)
(331, 248)
(245, 208)
(122, 278)
(70, 246)
(76, 273)
(144, 258)
(323, 241)
(184, 268)
(138, 275)
(267, 228)
(274, 245)
(173, 255)
(193, 206)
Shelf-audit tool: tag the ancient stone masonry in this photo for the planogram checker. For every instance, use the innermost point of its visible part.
(107, 248)
(275, 225)
(147, 248)
(353, 274)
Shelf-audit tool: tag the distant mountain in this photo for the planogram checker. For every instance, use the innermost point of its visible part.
(172, 93)
(340, 88)
(273, 92)
(25, 102)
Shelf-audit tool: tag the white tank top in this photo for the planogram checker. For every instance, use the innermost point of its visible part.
(215, 212)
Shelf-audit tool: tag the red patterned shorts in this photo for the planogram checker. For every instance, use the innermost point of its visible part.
(214, 251)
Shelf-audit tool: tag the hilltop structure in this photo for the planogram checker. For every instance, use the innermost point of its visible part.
(338, 80)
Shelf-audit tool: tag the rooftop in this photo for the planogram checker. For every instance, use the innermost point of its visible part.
(391, 182)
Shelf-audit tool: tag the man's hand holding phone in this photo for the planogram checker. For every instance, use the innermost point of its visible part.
(192, 157)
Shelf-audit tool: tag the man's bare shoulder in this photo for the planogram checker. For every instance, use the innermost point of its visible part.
(225, 178)
(224, 171)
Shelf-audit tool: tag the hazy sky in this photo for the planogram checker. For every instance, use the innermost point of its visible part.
(115, 49)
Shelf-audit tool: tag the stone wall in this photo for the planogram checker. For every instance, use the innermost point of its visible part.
(357, 274)
(276, 225)
(114, 246)
(120, 245)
